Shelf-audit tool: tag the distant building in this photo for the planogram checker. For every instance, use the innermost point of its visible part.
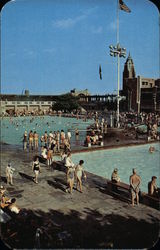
(26, 103)
(80, 92)
(142, 94)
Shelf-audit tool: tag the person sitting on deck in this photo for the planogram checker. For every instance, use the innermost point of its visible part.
(13, 207)
(115, 177)
(152, 187)
(4, 201)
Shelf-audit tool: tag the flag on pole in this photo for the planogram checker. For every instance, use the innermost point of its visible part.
(100, 72)
(123, 6)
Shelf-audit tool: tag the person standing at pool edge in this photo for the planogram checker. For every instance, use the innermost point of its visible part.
(31, 140)
(9, 174)
(135, 182)
(36, 136)
(25, 140)
(36, 169)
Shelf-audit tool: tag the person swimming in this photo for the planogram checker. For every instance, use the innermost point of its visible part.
(151, 149)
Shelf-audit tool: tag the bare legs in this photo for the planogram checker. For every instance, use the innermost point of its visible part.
(133, 197)
(9, 179)
(79, 183)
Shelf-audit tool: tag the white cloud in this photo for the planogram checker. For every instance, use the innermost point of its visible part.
(97, 30)
(70, 22)
(90, 11)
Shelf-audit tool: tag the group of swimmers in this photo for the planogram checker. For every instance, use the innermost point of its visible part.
(49, 140)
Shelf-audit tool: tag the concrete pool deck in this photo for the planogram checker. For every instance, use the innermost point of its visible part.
(92, 219)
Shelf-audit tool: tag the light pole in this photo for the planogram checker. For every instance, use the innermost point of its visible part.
(119, 52)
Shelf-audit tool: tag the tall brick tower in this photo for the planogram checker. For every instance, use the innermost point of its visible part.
(130, 84)
(129, 71)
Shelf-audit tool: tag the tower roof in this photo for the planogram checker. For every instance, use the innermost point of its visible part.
(129, 71)
(129, 58)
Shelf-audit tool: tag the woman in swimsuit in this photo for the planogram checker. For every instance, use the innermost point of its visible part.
(79, 173)
(36, 169)
(70, 178)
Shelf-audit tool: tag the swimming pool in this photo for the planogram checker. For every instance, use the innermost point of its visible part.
(12, 130)
(102, 162)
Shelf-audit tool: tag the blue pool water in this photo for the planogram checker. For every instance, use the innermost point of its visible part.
(12, 130)
(102, 162)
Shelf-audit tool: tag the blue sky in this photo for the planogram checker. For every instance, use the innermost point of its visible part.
(53, 46)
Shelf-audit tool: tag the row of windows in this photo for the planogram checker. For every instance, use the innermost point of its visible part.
(147, 83)
(18, 102)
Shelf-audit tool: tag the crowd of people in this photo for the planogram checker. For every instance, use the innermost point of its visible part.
(49, 143)
(53, 140)
(49, 112)
(138, 118)
(150, 120)
(60, 142)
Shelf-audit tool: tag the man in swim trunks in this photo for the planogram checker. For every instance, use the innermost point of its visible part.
(36, 137)
(135, 182)
(31, 136)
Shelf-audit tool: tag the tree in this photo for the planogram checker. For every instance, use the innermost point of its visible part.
(66, 102)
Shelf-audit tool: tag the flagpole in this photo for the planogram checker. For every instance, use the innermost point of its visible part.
(117, 21)
(119, 52)
(118, 66)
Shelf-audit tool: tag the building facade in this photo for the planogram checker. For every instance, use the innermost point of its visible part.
(11, 103)
(142, 94)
